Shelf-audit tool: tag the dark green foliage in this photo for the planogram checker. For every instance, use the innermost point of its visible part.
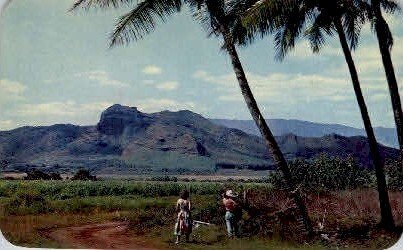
(395, 175)
(55, 176)
(84, 175)
(165, 178)
(37, 175)
(37, 197)
(3, 164)
(27, 202)
(70, 189)
(330, 173)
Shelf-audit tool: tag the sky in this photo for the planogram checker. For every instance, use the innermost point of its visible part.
(55, 67)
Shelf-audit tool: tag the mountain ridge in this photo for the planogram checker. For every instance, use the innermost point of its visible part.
(386, 136)
(128, 139)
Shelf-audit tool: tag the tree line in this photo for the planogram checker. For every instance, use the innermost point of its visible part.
(81, 174)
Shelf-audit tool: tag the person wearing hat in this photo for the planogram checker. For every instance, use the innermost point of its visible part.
(231, 206)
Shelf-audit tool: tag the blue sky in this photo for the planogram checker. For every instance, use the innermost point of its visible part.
(55, 67)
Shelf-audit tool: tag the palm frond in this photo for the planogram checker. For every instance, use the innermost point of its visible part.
(215, 11)
(383, 27)
(234, 11)
(142, 20)
(390, 6)
(201, 14)
(377, 22)
(353, 19)
(264, 16)
(315, 33)
(352, 29)
(290, 29)
(86, 4)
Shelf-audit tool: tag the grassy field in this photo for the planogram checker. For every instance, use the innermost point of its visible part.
(34, 213)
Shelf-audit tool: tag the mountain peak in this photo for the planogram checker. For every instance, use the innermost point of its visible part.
(121, 108)
(115, 118)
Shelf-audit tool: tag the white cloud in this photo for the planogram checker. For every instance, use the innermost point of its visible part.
(60, 109)
(156, 105)
(368, 61)
(11, 90)
(380, 97)
(102, 78)
(152, 70)
(226, 79)
(290, 86)
(303, 50)
(367, 56)
(11, 87)
(148, 82)
(7, 125)
(42, 114)
(170, 85)
(394, 21)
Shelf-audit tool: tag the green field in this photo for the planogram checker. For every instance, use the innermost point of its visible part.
(34, 213)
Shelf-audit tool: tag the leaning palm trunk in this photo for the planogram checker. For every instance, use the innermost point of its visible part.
(386, 212)
(380, 29)
(268, 137)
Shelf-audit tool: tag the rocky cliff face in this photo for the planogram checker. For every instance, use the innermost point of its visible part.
(117, 117)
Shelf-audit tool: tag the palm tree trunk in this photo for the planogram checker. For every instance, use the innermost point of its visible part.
(386, 211)
(268, 137)
(380, 27)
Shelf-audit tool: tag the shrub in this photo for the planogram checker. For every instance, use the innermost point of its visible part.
(323, 172)
(84, 175)
(27, 202)
(55, 176)
(164, 178)
(37, 175)
(394, 171)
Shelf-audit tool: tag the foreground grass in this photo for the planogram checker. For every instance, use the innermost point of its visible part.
(30, 231)
(30, 209)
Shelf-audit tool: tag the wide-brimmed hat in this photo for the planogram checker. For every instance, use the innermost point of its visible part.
(231, 193)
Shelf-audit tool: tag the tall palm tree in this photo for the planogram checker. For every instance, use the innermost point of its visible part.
(373, 9)
(313, 19)
(214, 15)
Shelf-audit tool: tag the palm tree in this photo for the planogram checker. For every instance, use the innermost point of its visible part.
(214, 15)
(317, 18)
(373, 9)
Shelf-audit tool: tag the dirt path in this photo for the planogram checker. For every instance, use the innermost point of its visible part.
(99, 236)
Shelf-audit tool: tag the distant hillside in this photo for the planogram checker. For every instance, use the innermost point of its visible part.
(386, 136)
(126, 139)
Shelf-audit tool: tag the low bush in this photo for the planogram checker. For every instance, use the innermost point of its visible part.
(27, 202)
(84, 175)
(37, 174)
(164, 178)
(394, 172)
(328, 173)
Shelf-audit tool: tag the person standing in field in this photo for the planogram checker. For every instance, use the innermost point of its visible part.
(183, 224)
(231, 207)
